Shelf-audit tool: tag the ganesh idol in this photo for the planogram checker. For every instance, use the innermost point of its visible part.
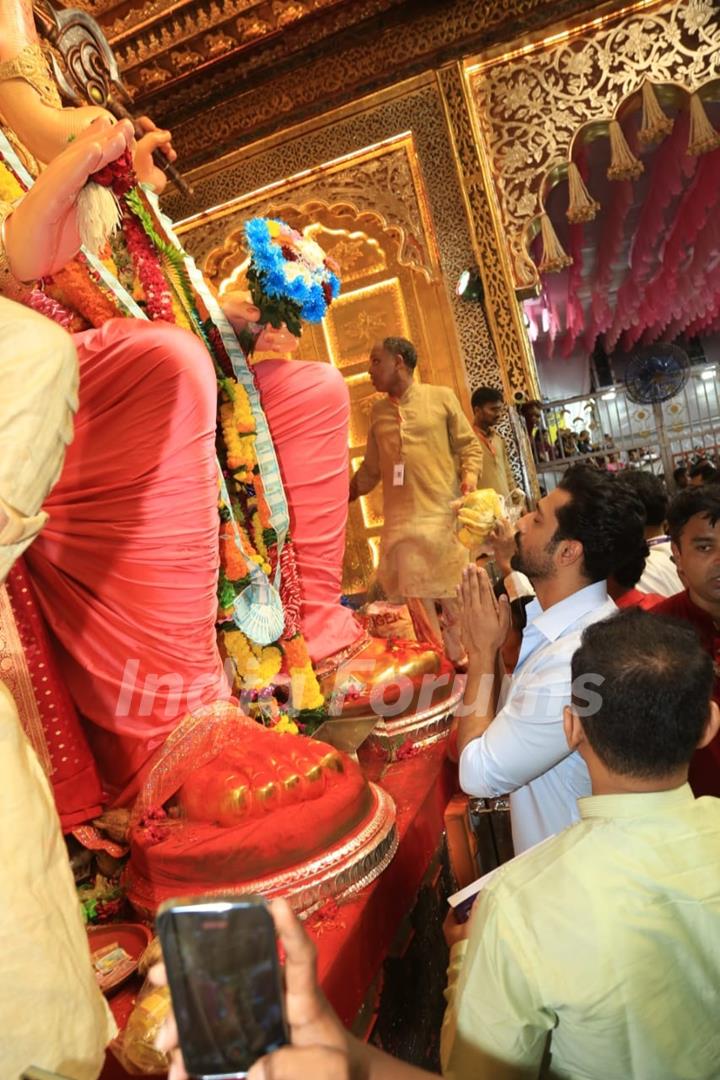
(129, 612)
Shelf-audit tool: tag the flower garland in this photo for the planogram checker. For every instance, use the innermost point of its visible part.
(10, 187)
(51, 309)
(151, 268)
(78, 288)
(290, 593)
(305, 691)
(305, 694)
(289, 276)
(256, 666)
(158, 301)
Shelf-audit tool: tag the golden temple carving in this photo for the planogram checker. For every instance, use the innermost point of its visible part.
(370, 212)
(531, 101)
(511, 341)
(319, 82)
(418, 108)
(383, 184)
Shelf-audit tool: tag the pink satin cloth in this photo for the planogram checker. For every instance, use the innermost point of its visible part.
(307, 406)
(126, 567)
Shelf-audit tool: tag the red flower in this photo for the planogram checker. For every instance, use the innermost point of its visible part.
(146, 263)
(407, 750)
(118, 175)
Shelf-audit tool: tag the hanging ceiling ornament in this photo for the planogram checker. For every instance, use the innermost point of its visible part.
(703, 137)
(655, 124)
(554, 256)
(582, 207)
(623, 163)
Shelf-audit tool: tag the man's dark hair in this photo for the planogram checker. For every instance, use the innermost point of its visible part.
(706, 471)
(651, 492)
(655, 693)
(690, 501)
(679, 473)
(607, 519)
(628, 573)
(485, 395)
(400, 346)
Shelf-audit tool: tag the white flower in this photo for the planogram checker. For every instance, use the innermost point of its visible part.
(296, 270)
(312, 253)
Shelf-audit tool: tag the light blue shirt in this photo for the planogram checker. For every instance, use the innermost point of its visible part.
(524, 751)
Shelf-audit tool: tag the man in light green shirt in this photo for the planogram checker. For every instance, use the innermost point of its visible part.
(596, 954)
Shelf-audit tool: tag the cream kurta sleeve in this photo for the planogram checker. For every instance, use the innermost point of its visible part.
(52, 1013)
(368, 475)
(463, 440)
(38, 375)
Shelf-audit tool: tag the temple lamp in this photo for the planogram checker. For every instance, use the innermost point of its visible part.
(469, 286)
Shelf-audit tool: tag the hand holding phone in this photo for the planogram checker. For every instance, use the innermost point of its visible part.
(224, 975)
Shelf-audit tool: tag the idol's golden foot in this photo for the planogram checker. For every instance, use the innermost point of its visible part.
(248, 782)
(389, 678)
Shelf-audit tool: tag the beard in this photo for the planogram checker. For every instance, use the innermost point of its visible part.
(538, 566)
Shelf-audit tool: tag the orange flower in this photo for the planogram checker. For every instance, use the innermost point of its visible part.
(262, 506)
(74, 287)
(296, 654)
(232, 558)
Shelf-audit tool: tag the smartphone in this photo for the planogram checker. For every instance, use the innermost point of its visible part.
(225, 982)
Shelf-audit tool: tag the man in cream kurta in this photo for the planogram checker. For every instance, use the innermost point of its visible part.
(52, 1014)
(423, 449)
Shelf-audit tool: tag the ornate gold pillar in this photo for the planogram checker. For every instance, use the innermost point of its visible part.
(517, 364)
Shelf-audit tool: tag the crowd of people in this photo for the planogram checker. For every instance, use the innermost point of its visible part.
(606, 738)
(595, 952)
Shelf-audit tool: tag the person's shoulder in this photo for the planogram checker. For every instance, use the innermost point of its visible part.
(379, 406)
(528, 873)
(673, 605)
(443, 395)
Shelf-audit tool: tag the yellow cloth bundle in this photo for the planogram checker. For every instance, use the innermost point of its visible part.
(477, 516)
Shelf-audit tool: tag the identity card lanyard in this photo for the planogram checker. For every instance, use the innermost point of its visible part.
(399, 467)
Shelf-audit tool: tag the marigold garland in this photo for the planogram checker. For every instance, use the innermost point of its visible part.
(296, 653)
(234, 560)
(240, 448)
(256, 666)
(285, 725)
(258, 536)
(10, 187)
(305, 691)
(75, 287)
(262, 507)
(242, 413)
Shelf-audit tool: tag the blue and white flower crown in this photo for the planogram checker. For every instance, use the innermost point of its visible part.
(290, 276)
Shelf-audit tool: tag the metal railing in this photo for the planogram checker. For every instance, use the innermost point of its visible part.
(613, 432)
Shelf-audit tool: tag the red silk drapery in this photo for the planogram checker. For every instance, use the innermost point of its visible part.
(647, 268)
